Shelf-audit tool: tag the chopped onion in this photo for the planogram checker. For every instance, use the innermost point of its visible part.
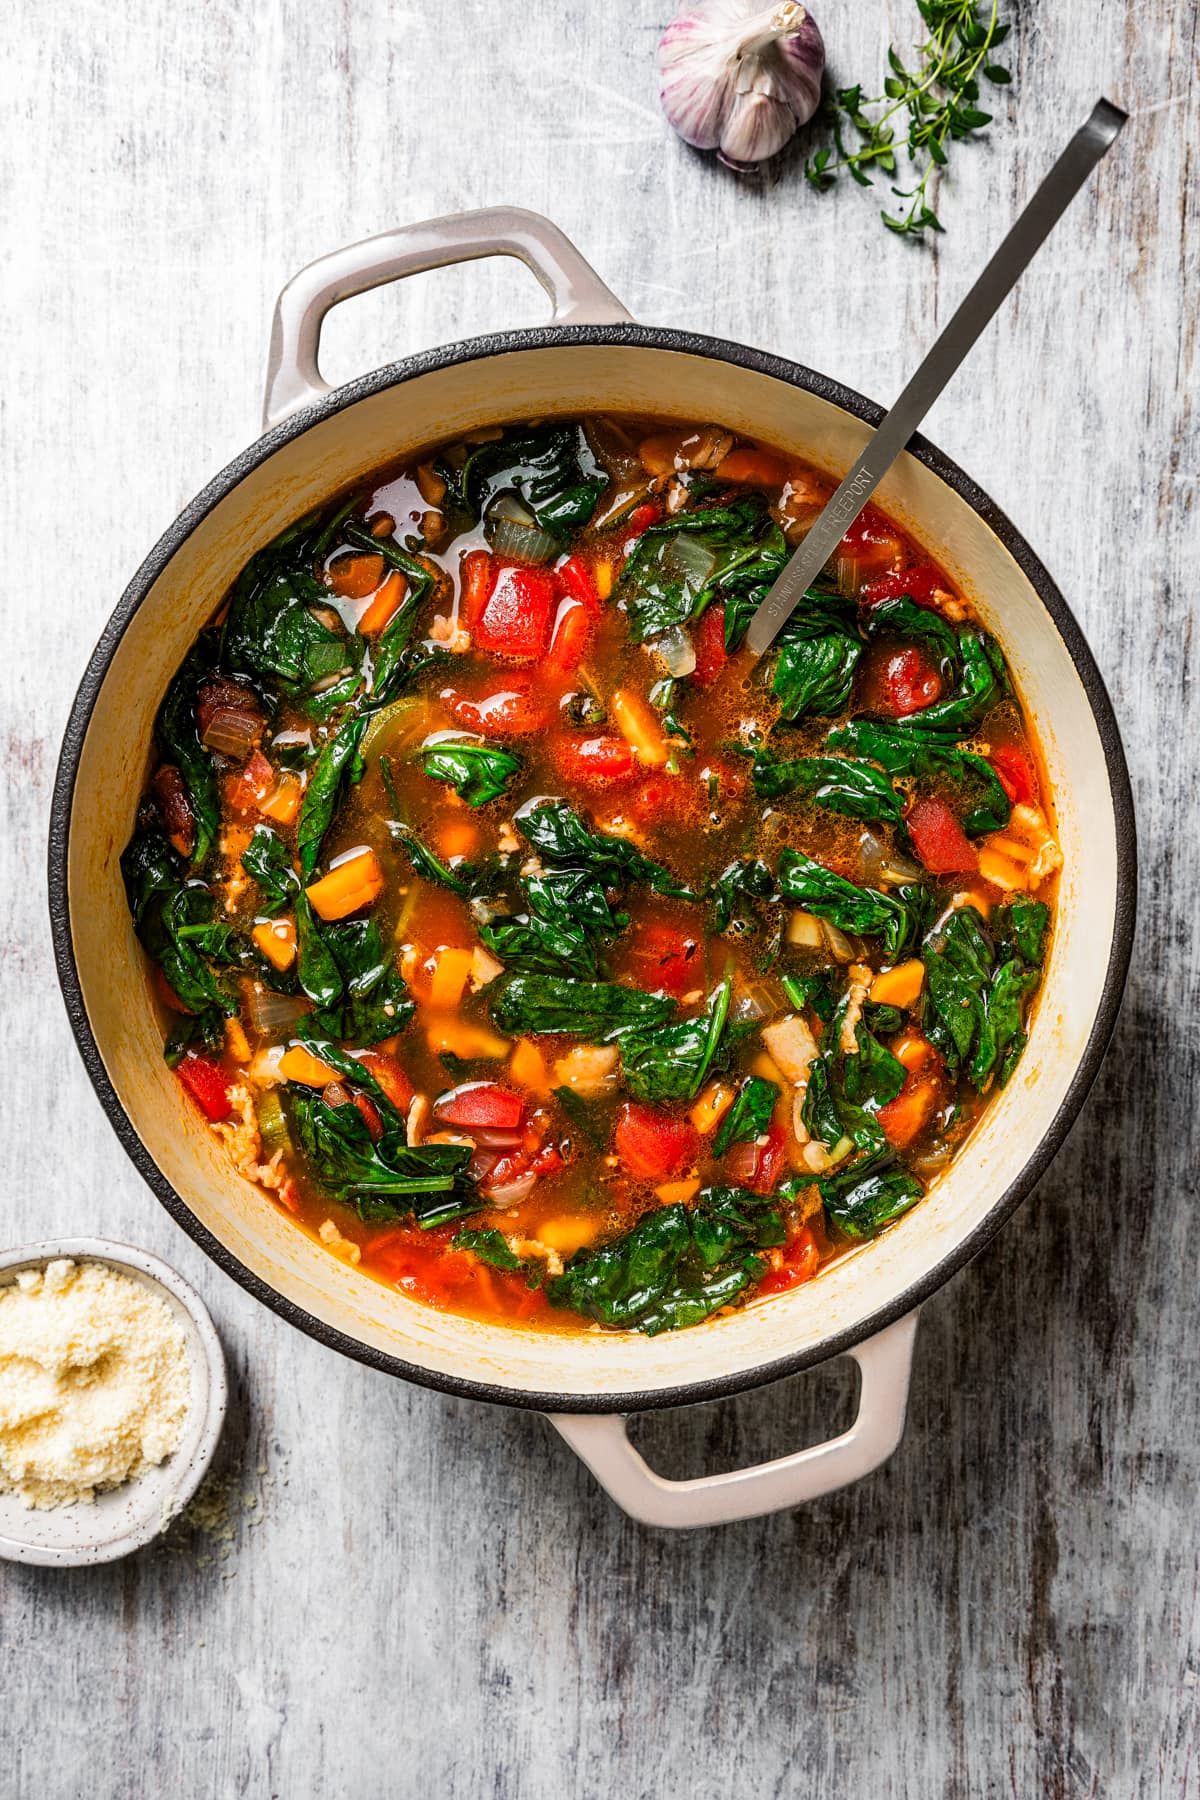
(804, 929)
(272, 1123)
(838, 942)
(616, 507)
(675, 651)
(613, 448)
(492, 1138)
(692, 558)
(232, 733)
(871, 849)
(511, 1193)
(898, 869)
(392, 726)
(512, 530)
(274, 1015)
(755, 1001)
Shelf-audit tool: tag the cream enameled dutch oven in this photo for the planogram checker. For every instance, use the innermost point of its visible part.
(591, 357)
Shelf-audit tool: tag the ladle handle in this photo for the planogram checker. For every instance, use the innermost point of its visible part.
(1034, 225)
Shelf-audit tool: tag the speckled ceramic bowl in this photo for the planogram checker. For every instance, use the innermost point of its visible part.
(124, 1518)
(592, 357)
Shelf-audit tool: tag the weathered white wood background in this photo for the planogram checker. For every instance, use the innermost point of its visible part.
(393, 1593)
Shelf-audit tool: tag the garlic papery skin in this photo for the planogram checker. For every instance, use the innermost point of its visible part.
(739, 77)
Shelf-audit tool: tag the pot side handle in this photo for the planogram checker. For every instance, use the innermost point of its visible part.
(579, 296)
(885, 1365)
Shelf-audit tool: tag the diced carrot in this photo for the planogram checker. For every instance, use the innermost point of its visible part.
(757, 468)
(711, 1107)
(276, 938)
(528, 1067)
(449, 978)
(658, 453)
(299, 1064)
(355, 576)
(431, 485)
(569, 1233)
(462, 1037)
(236, 1042)
(639, 725)
(899, 986)
(348, 886)
(1002, 872)
(385, 604)
(382, 525)
(457, 837)
(673, 1193)
(283, 802)
(603, 574)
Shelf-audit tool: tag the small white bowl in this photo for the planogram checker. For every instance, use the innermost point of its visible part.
(127, 1517)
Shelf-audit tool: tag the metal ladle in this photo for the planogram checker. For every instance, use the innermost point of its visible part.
(1008, 263)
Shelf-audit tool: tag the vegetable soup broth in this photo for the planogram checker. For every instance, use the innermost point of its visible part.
(551, 959)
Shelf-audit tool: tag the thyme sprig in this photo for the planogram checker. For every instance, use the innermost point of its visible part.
(924, 109)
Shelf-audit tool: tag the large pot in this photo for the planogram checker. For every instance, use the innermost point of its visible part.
(591, 357)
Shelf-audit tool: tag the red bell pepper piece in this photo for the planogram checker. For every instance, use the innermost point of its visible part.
(572, 635)
(920, 583)
(576, 578)
(708, 641)
(871, 542)
(902, 681)
(939, 840)
(642, 517)
(205, 1082)
(651, 1145)
(507, 709)
(801, 1259)
(483, 1106)
(516, 616)
(476, 581)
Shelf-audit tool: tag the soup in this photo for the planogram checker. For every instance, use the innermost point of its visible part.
(544, 954)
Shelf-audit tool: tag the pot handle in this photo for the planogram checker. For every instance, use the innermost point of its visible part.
(885, 1364)
(579, 296)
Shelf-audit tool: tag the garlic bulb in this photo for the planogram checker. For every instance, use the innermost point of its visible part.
(739, 77)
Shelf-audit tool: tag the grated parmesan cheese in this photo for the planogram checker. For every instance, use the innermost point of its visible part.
(94, 1382)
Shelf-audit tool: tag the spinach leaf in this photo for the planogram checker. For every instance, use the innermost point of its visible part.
(552, 468)
(390, 662)
(668, 1063)
(333, 766)
(560, 834)
(316, 966)
(382, 1181)
(982, 683)
(489, 1246)
(467, 879)
(677, 567)
(974, 1010)
(163, 904)
(178, 734)
(594, 1010)
(855, 789)
(1020, 926)
(375, 1003)
(749, 1116)
(902, 617)
(867, 1195)
(814, 988)
(567, 916)
(477, 772)
(984, 805)
(676, 1267)
(819, 649)
(267, 860)
(847, 1089)
(313, 1035)
(584, 1115)
(896, 917)
(746, 879)
(271, 631)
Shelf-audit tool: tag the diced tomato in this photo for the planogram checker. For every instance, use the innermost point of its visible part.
(664, 958)
(390, 1076)
(174, 807)
(594, 762)
(424, 1265)
(576, 578)
(708, 641)
(509, 710)
(661, 798)
(920, 583)
(899, 680)
(1015, 771)
(483, 1105)
(758, 1165)
(572, 635)
(641, 518)
(516, 616)
(245, 793)
(871, 542)
(477, 578)
(205, 1082)
(755, 468)
(801, 1259)
(905, 1117)
(548, 1161)
(939, 840)
(651, 1144)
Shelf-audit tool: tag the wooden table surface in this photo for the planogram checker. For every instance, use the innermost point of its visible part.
(390, 1593)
